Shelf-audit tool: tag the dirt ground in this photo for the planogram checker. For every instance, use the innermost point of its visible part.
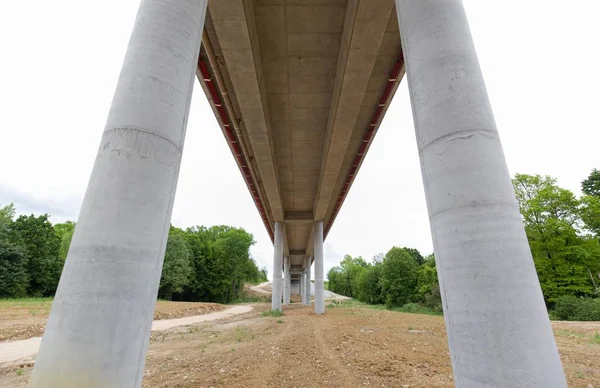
(26, 318)
(347, 347)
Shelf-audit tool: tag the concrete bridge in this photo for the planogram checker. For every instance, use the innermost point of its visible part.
(299, 88)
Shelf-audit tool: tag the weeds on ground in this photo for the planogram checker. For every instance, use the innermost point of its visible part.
(279, 321)
(272, 313)
(596, 338)
(241, 334)
(245, 298)
(25, 302)
(416, 308)
(413, 308)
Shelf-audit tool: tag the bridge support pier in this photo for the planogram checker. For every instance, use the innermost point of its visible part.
(498, 329)
(277, 288)
(319, 270)
(307, 283)
(99, 326)
(302, 287)
(287, 282)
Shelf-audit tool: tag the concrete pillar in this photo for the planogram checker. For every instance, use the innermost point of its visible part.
(277, 288)
(308, 284)
(99, 326)
(498, 329)
(287, 285)
(302, 287)
(319, 271)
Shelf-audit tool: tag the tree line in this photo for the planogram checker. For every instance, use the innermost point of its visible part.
(564, 237)
(201, 264)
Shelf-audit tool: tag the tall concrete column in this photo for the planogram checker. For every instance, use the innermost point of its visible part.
(498, 329)
(287, 284)
(277, 288)
(308, 283)
(99, 326)
(319, 272)
(302, 287)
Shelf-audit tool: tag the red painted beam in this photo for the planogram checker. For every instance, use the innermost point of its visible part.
(234, 144)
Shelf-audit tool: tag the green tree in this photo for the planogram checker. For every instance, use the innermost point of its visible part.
(42, 248)
(263, 275)
(591, 185)
(13, 272)
(399, 277)
(65, 232)
(371, 284)
(221, 263)
(564, 259)
(7, 214)
(415, 254)
(428, 287)
(590, 214)
(177, 270)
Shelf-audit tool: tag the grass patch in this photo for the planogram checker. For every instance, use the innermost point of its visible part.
(568, 333)
(413, 308)
(272, 313)
(245, 298)
(596, 338)
(279, 321)
(26, 302)
(353, 303)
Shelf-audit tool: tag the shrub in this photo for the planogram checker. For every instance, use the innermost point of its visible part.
(571, 308)
(416, 308)
(565, 307)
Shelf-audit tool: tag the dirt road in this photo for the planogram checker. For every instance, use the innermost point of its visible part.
(346, 347)
(26, 318)
(15, 350)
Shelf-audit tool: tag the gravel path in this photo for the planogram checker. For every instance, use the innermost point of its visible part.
(14, 350)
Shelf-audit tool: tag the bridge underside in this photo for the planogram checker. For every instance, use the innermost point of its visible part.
(300, 89)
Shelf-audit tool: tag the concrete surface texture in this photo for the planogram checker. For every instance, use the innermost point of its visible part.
(277, 270)
(319, 271)
(286, 280)
(308, 286)
(305, 80)
(16, 350)
(498, 328)
(98, 330)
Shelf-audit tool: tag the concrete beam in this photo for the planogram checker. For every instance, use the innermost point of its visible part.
(499, 333)
(299, 217)
(98, 330)
(364, 28)
(234, 23)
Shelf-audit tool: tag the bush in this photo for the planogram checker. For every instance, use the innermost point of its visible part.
(572, 308)
(416, 308)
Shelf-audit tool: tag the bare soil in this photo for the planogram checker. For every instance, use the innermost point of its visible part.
(346, 347)
(26, 318)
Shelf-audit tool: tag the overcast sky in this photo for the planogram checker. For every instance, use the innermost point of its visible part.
(60, 63)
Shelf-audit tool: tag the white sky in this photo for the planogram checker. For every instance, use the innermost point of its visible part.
(61, 59)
